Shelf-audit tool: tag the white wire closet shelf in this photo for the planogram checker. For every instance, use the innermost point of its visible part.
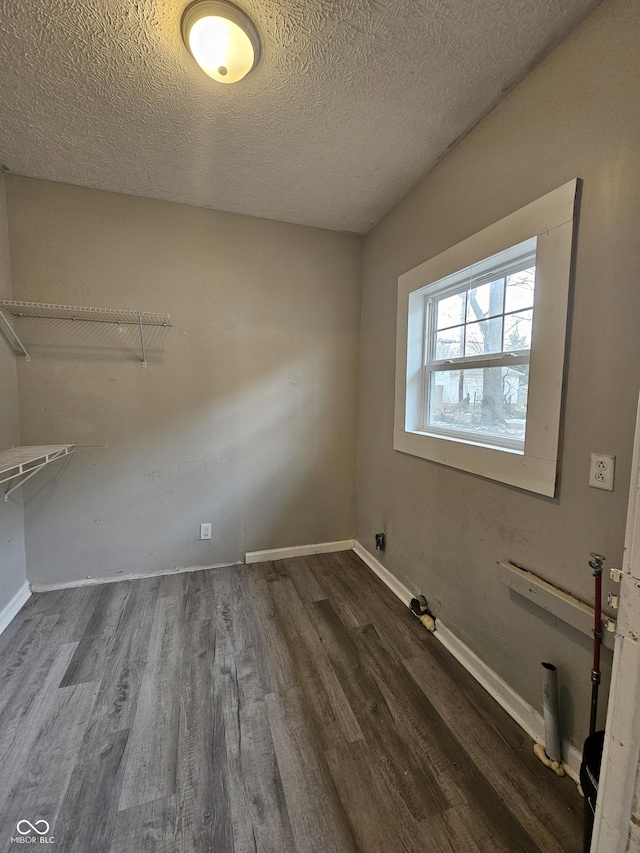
(77, 312)
(24, 462)
(51, 311)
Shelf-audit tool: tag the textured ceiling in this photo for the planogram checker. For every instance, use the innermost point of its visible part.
(353, 100)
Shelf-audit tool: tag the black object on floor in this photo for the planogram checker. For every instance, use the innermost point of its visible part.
(589, 778)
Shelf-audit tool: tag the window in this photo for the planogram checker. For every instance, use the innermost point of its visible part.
(477, 347)
(480, 356)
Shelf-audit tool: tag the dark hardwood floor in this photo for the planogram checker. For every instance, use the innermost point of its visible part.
(289, 706)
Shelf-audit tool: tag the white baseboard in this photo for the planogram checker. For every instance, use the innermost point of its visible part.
(404, 593)
(298, 551)
(14, 606)
(133, 576)
(524, 714)
(250, 557)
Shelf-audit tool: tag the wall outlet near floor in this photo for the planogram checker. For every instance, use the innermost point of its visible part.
(602, 471)
(205, 531)
(381, 542)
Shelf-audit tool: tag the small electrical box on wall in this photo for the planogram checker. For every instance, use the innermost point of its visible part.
(381, 542)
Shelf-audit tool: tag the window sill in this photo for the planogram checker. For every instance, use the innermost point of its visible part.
(512, 467)
(463, 440)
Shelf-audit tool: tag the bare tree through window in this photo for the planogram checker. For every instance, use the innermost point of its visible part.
(491, 320)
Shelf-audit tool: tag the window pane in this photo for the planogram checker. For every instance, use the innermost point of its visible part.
(451, 310)
(449, 343)
(484, 337)
(517, 331)
(485, 301)
(490, 401)
(520, 290)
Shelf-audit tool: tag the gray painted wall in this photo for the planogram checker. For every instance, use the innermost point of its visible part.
(246, 414)
(12, 559)
(577, 114)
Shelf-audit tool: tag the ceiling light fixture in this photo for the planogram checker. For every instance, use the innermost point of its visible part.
(221, 38)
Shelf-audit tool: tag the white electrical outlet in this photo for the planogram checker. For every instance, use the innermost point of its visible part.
(602, 471)
(205, 531)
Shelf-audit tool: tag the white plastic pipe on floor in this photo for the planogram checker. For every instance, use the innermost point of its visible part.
(552, 742)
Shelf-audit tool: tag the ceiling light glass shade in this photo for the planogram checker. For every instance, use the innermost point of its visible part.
(221, 38)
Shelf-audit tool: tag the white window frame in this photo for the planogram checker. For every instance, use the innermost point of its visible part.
(534, 468)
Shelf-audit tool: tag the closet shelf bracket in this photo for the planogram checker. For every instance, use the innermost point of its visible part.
(14, 336)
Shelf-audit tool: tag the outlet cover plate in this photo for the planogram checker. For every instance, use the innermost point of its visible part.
(205, 531)
(602, 471)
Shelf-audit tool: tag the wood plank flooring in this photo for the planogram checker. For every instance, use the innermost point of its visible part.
(287, 706)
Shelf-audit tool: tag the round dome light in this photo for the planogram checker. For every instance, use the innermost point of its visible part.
(221, 38)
